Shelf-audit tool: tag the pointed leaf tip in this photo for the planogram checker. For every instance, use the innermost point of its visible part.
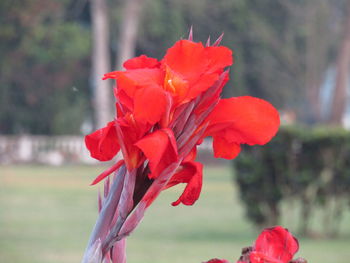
(218, 41)
(208, 42)
(190, 35)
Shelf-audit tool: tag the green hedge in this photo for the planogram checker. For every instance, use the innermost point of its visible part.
(309, 165)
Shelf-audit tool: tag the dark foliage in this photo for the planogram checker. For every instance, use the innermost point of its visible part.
(310, 165)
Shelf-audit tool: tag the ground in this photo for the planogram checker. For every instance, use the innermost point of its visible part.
(47, 213)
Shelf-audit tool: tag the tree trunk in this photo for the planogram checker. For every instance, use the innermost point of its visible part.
(100, 62)
(317, 16)
(128, 31)
(342, 77)
(311, 80)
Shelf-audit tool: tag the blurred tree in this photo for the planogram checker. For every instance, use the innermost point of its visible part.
(128, 31)
(101, 63)
(305, 166)
(43, 67)
(282, 50)
(343, 70)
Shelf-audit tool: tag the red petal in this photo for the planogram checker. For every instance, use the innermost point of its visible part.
(103, 143)
(192, 155)
(150, 104)
(186, 58)
(160, 149)
(141, 62)
(131, 132)
(198, 65)
(244, 120)
(275, 243)
(224, 149)
(190, 173)
(125, 101)
(192, 59)
(132, 80)
(218, 58)
(202, 84)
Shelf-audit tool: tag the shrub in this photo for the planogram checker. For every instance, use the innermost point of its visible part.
(310, 165)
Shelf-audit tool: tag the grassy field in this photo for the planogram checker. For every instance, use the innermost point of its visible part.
(47, 213)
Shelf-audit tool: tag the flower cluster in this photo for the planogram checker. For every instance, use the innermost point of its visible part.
(162, 105)
(273, 245)
(164, 110)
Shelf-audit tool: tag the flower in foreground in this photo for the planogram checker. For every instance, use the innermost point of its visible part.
(165, 109)
(273, 245)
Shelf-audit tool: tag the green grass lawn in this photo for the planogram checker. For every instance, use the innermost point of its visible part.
(47, 213)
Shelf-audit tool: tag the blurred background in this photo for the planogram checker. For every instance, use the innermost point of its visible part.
(293, 53)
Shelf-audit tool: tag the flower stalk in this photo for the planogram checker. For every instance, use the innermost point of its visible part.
(273, 245)
(165, 109)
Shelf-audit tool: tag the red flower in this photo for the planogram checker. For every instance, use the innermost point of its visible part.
(164, 109)
(274, 245)
(160, 105)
